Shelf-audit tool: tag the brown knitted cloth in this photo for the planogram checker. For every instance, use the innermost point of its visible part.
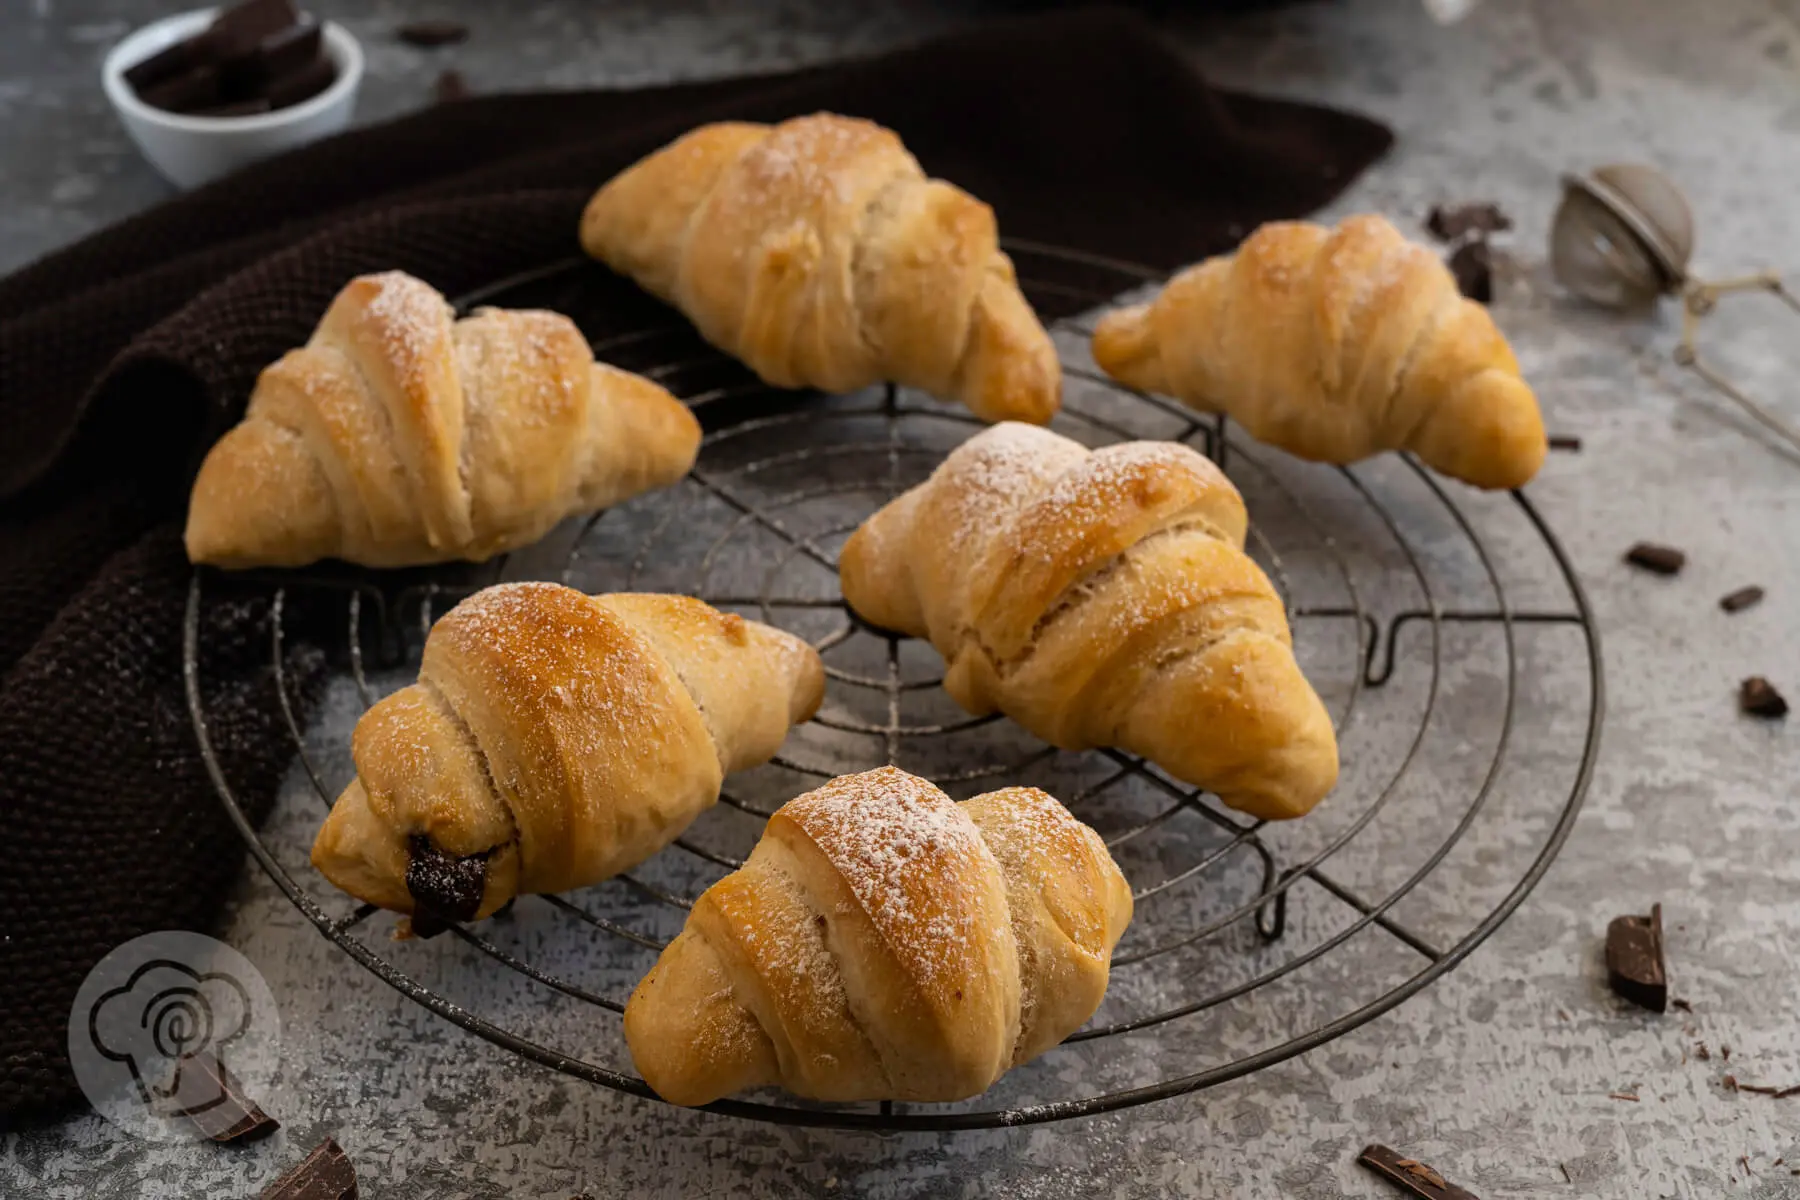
(122, 357)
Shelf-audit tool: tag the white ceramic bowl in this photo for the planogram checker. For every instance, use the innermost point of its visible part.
(191, 151)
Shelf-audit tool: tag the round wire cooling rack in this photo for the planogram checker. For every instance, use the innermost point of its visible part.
(1253, 942)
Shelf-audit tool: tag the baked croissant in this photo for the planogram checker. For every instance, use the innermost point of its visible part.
(884, 943)
(399, 435)
(818, 252)
(1102, 598)
(1336, 344)
(555, 739)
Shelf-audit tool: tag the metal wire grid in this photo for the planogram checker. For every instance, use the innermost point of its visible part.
(1376, 647)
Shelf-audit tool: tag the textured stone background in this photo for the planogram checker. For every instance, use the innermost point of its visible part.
(1500, 1072)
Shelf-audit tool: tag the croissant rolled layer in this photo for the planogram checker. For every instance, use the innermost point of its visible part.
(555, 739)
(1336, 344)
(884, 942)
(1102, 598)
(819, 253)
(400, 435)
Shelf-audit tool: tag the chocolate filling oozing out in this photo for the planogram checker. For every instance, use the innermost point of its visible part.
(445, 889)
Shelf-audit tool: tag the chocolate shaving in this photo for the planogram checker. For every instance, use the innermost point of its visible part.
(445, 889)
(432, 32)
(1635, 968)
(325, 1174)
(450, 85)
(1449, 222)
(211, 1100)
(1631, 1096)
(1412, 1176)
(1744, 597)
(1472, 264)
(1419, 1170)
(1758, 697)
(1731, 1083)
(1565, 441)
(1664, 560)
(1683, 1005)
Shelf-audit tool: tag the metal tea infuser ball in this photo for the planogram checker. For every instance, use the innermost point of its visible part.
(1622, 237)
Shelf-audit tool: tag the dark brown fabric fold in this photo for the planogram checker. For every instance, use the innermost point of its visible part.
(122, 357)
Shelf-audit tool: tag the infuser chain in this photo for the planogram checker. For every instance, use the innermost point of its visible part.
(1699, 298)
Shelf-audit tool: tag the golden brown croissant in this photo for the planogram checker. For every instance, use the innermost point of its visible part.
(1336, 344)
(1102, 598)
(399, 435)
(555, 739)
(819, 253)
(885, 943)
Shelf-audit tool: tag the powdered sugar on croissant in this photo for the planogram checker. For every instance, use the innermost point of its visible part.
(400, 435)
(883, 942)
(554, 739)
(818, 252)
(1102, 598)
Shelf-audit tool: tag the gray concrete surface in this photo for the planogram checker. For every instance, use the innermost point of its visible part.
(1502, 1073)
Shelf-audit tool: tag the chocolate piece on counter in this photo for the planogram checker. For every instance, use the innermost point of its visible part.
(1449, 222)
(1732, 1083)
(208, 1096)
(190, 91)
(1412, 1176)
(432, 32)
(1758, 697)
(304, 84)
(280, 54)
(1664, 560)
(445, 889)
(1744, 597)
(237, 108)
(1565, 441)
(451, 86)
(1473, 266)
(325, 1174)
(1635, 969)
